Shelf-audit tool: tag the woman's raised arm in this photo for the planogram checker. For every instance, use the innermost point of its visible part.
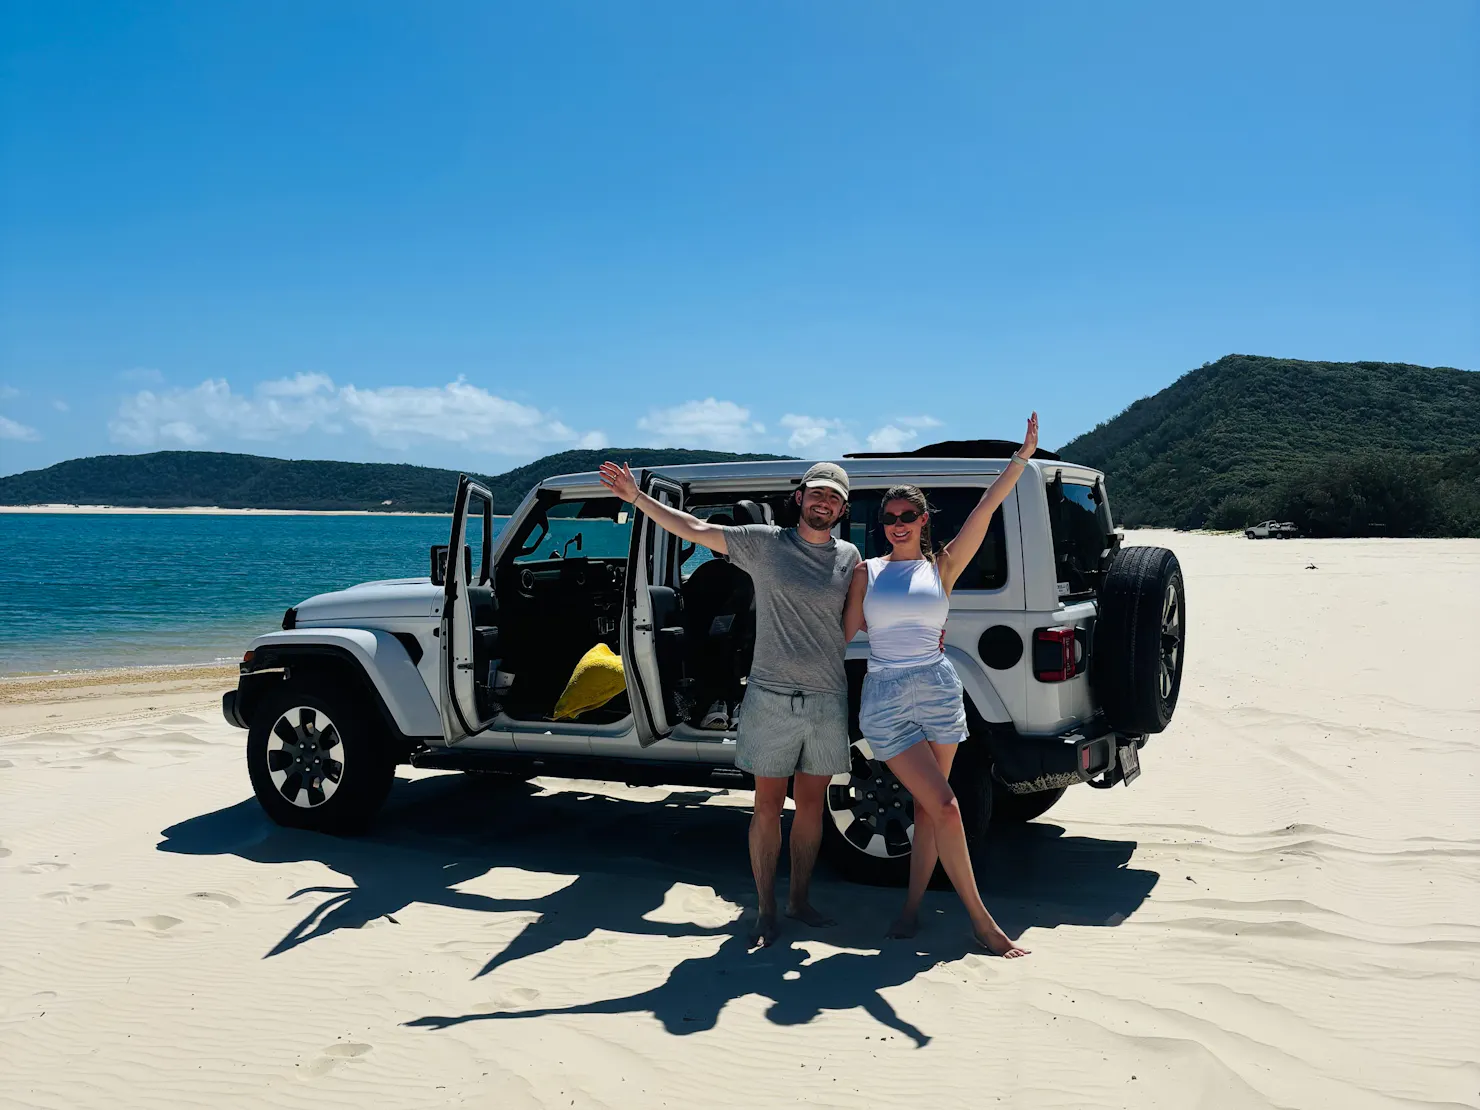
(960, 551)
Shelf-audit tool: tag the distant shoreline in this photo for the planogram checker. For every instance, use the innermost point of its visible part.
(198, 510)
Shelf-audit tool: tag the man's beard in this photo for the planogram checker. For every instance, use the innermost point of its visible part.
(820, 519)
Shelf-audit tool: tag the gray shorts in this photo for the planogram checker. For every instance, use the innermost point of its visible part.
(781, 733)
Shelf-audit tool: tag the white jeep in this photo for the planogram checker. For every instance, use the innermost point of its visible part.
(1070, 649)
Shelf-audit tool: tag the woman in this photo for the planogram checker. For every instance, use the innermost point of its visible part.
(912, 692)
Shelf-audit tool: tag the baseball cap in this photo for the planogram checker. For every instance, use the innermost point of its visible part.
(827, 474)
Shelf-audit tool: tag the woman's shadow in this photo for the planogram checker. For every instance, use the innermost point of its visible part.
(698, 989)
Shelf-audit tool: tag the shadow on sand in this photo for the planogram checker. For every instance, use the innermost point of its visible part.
(625, 856)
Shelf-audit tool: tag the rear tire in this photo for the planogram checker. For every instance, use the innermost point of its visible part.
(1140, 637)
(1018, 809)
(317, 760)
(876, 854)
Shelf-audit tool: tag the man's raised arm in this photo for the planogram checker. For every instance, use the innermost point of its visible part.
(619, 480)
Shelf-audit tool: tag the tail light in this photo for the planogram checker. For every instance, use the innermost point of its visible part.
(1055, 654)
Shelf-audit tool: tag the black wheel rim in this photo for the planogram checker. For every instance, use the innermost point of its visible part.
(1171, 640)
(305, 757)
(871, 808)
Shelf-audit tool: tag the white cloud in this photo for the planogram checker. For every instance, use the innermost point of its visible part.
(9, 429)
(891, 438)
(901, 433)
(818, 436)
(9, 393)
(311, 404)
(61, 406)
(713, 424)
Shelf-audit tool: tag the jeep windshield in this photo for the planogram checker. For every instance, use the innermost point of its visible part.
(594, 527)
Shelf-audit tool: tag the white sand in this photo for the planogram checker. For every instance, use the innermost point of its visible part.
(1283, 911)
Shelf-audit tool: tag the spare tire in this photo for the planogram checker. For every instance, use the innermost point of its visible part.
(1139, 639)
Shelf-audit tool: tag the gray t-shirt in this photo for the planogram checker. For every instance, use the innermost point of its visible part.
(800, 589)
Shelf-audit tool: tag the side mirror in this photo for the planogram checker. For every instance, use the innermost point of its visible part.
(439, 563)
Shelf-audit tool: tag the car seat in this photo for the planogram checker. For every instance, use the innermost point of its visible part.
(719, 621)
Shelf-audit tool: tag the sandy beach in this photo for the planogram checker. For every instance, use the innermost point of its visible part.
(1284, 911)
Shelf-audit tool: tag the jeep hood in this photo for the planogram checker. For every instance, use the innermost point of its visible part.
(397, 597)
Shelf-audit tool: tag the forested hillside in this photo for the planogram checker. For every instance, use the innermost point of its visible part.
(172, 479)
(1341, 448)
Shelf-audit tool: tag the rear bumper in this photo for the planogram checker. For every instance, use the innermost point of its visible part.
(230, 711)
(1087, 753)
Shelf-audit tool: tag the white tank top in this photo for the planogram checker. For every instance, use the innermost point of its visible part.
(906, 607)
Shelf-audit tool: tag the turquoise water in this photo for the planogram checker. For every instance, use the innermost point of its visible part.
(85, 591)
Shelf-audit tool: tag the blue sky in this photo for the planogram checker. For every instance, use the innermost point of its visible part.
(471, 234)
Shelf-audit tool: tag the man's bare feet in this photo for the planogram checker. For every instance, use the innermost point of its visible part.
(996, 942)
(905, 926)
(763, 933)
(809, 916)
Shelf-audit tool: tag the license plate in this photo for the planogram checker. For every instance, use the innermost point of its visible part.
(1130, 762)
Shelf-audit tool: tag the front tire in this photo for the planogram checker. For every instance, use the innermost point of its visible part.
(317, 760)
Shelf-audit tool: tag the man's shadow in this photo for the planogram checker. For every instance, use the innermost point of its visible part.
(624, 857)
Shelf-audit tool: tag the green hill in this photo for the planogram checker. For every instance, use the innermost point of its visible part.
(173, 479)
(1342, 448)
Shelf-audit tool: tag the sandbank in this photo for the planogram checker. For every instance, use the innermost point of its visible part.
(1284, 911)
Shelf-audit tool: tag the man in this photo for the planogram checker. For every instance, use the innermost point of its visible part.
(794, 719)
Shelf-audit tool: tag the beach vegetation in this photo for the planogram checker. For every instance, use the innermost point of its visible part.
(177, 479)
(1340, 448)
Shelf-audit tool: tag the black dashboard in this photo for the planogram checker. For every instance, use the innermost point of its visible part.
(559, 579)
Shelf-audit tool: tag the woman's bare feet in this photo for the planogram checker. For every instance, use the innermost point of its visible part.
(995, 941)
(905, 926)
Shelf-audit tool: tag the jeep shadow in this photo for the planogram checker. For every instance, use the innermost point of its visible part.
(624, 856)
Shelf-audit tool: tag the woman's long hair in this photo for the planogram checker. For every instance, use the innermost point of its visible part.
(916, 497)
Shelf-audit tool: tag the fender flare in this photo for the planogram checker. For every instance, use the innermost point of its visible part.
(380, 657)
(981, 695)
(979, 690)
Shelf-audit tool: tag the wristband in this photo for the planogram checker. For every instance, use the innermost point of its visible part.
(1016, 458)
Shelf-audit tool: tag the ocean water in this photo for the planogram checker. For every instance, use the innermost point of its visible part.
(84, 591)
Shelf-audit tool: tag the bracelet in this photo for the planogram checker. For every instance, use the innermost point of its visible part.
(1016, 458)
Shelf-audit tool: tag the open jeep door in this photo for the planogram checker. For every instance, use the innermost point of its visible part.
(469, 637)
(652, 636)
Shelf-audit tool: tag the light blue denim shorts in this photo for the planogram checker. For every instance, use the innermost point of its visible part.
(902, 706)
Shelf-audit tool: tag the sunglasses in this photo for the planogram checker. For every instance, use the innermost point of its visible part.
(909, 516)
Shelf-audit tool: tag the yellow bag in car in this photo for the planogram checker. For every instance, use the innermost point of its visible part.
(597, 679)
